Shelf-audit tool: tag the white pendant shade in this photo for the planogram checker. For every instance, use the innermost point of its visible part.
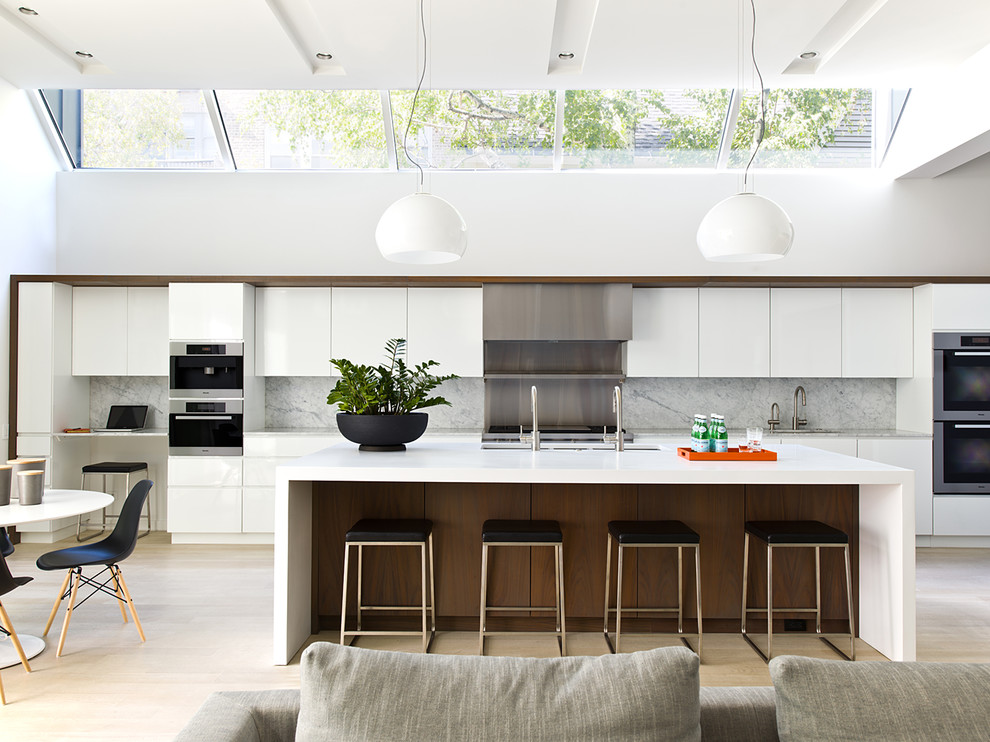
(421, 229)
(745, 227)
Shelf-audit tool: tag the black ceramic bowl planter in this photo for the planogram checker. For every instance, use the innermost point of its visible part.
(382, 432)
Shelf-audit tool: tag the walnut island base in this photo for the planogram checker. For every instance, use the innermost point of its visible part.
(458, 486)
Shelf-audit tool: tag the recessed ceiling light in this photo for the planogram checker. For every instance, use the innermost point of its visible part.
(324, 55)
(566, 55)
(808, 55)
(84, 55)
(28, 11)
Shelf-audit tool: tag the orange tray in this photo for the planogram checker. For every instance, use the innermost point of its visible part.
(733, 454)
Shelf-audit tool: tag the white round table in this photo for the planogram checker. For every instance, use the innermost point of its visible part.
(54, 504)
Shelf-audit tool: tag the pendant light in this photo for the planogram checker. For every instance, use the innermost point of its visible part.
(747, 227)
(421, 228)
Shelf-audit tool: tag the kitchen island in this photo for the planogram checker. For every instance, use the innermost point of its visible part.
(458, 485)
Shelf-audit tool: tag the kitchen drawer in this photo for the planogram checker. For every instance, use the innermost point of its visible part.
(204, 471)
(260, 471)
(961, 515)
(34, 445)
(287, 445)
(204, 509)
(259, 510)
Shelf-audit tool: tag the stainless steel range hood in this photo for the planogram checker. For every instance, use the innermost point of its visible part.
(567, 340)
(557, 311)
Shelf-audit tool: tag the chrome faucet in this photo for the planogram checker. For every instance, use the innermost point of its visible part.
(774, 416)
(796, 421)
(617, 409)
(535, 435)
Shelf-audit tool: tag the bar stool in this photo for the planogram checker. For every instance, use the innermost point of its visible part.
(523, 533)
(389, 532)
(793, 534)
(109, 468)
(638, 534)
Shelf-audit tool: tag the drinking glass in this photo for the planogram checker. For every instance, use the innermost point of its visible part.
(754, 439)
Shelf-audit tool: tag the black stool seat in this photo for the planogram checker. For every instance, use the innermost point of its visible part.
(777, 532)
(629, 532)
(114, 467)
(390, 529)
(542, 531)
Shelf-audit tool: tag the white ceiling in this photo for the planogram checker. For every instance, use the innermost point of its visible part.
(496, 44)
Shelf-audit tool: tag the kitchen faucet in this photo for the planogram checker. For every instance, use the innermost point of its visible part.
(617, 409)
(774, 416)
(534, 437)
(796, 421)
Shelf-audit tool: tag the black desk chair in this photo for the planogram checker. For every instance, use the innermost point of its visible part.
(8, 583)
(109, 552)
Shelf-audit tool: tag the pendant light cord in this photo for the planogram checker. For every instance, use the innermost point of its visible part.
(761, 121)
(419, 86)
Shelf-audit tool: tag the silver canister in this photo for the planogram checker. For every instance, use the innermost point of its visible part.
(18, 465)
(31, 486)
(5, 485)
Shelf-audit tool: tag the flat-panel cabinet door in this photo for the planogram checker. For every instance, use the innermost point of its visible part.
(147, 331)
(733, 332)
(35, 361)
(805, 333)
(293, 331)
(878, 333)
(445, 326)
(908, 454)
(99, 331)
(204, 509)
(960, 307)
(259, 510)
(362, 320)
(207, 311)
(665, 333)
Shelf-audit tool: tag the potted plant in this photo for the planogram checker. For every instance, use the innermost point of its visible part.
(377, 403)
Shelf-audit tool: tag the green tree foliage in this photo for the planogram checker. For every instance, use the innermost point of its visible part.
(130, 128)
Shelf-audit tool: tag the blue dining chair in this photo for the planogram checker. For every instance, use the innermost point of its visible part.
(109, 552)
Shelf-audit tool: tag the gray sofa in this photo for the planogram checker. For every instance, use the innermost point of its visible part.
(354, 694)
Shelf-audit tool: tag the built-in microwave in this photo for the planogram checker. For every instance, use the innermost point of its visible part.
(200, 370)
(206, 428)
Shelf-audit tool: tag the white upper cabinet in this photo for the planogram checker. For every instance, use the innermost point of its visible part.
(878, 333)
(665, 333)
(119, 331)
(805, 333)
(734, 332)
(961, 307)
(444, 325)
(293, 326)
(99, 331)
(210, 311)
(362, 320)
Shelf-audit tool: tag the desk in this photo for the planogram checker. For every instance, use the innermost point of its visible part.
(54, 504)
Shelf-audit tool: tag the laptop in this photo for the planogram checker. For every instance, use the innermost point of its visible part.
(125, 418)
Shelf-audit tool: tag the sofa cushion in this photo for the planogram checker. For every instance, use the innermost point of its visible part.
(244, 716)
(744, 714)
(835, 701)
(350, 694)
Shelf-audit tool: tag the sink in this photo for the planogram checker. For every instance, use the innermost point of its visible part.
(804, 431)
(571, 446)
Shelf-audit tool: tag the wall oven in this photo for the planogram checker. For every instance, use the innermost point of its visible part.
(206, 428)
(961, 442)
(205, 370)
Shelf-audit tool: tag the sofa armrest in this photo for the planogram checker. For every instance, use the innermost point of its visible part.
(244, 716)
(738, 714)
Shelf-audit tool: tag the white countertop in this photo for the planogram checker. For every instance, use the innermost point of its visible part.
(429, 460)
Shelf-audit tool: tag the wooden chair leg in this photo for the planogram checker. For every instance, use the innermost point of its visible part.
(5, 619)
(68, 613)
(58, 601)
(130, 603)
(3, 698)
(120, 597)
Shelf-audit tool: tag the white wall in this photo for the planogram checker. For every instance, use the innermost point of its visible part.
(27, 210)
(552, 224)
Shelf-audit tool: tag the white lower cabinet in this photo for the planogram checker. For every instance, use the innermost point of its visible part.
(961, 515)
(258, 515)
(204, 494)
(914, 454)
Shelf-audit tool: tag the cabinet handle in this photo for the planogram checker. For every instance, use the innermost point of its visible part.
(204, 417)
(970, 353)
(971, 426)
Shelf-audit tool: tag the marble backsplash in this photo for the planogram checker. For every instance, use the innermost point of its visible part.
(648, 403)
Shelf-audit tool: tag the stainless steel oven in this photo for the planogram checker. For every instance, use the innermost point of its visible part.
(962, 458)
(961, 392)
(206, 428)
(205, 370)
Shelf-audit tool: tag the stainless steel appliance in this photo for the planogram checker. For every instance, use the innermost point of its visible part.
(206, 428)
(961, 443)
(567, 341)
(205, 370)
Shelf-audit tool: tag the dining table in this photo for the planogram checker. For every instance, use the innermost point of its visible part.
(55, 504)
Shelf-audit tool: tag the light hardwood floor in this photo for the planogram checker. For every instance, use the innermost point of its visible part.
(207, 614)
